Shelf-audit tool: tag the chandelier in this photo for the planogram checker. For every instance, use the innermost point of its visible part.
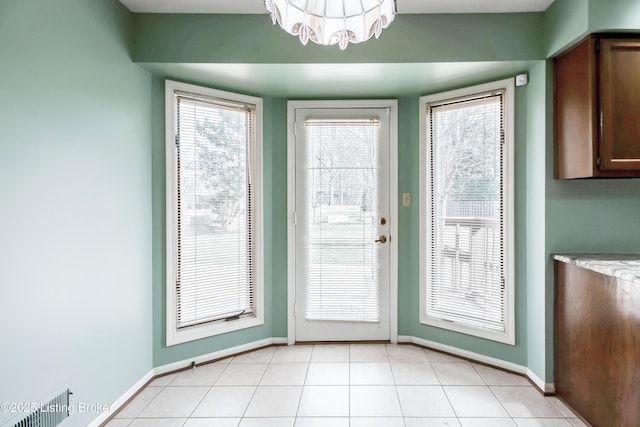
(327, 22)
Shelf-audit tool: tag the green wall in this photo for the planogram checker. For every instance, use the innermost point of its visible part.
(275, 153)
(565, 21)
(75, 238)
(408, 216)
(187, 38)
(614, 15)
(538, 126)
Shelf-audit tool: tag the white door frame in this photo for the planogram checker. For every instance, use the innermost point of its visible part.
(392, 105)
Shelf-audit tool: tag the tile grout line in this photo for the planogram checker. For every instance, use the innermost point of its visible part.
(450, 404)
(502, 404)
(395, 387)
(304, 384)
(349, 385)
(205, 394)
(163, 388)
(256, 389)
(493, 394)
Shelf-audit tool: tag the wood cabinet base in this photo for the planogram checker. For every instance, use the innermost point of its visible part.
(597, 345)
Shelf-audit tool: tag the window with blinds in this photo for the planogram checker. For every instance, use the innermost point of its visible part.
(213, 213)
(467, 260)
(341, 257)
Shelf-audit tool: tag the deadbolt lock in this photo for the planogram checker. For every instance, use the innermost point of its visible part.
(383, 221)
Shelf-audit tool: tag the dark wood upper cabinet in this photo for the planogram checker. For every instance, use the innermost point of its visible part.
(597, 109)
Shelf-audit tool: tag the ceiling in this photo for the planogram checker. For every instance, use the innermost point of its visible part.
(403, 6)
(355, 80)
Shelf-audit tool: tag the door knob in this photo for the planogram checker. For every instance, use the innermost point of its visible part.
(381, 239)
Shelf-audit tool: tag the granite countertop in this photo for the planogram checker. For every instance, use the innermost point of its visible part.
(622, 266)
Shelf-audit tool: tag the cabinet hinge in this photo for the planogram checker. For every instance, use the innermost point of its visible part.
(598, 161)
(597, 47)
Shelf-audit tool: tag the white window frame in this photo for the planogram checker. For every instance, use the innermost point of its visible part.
(508, 336)
(173, 334)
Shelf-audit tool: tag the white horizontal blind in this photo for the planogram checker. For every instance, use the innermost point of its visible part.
(341, 256)
(466, 212)
(215, 236)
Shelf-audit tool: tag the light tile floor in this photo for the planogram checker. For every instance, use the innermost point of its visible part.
(343, 385)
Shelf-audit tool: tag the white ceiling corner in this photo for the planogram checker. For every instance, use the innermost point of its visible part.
(404, 6)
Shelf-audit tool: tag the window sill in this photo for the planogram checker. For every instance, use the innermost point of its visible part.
(192, 333)
(506, 337)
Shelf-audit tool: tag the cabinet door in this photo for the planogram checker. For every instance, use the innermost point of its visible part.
(620, 104)
(576, 123)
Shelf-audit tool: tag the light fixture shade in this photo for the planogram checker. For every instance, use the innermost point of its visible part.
(328, 22)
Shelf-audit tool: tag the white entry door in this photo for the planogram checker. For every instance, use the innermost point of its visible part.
(342, 224)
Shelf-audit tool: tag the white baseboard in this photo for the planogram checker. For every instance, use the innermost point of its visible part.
(513, 367)
(122, 399)
(546, 388)
(218, 355)
(180, 365)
